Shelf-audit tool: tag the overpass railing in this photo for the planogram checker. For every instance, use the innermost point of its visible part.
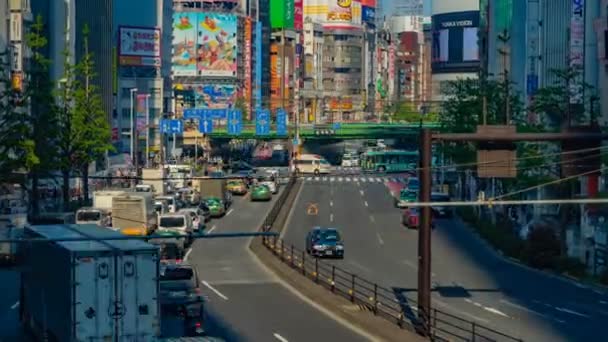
(389, 303)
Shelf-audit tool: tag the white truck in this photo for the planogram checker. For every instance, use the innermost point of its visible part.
(155, 178)
(99, 213)
(103, 199)
(104, 290)
(134, 214)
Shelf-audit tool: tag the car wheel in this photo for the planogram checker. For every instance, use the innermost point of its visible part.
(316, 172)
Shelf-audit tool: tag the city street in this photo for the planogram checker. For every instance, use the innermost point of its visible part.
(469, 279)
(246, 302)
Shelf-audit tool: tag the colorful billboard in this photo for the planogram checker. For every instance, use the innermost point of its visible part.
(183, 61)
(247, 53)
(211, 96)
(141, 113)
(298, 15)
(455, 45)
(577, 48)
(340, 11)
(217, 44)
(282, 14)
(258, 66)
(369, 3)
(139, 46)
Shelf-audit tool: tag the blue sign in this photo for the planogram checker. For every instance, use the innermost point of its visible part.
(171, 126)
(235, 122)
(336, 126)
(205, 125)
(368, 14)
(281, 122)
(190, 113)
(295, 142)
(216, 113)
(531, 84)
(262, 122)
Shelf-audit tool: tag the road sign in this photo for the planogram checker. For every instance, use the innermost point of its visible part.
(190, 113)
(262, 122)
(217, 113)
(205, 125)
(295, 142)
(336, 126)
(235, 121)
(281, 122)
(171, 126)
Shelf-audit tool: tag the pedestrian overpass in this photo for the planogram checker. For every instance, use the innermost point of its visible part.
(343, 131)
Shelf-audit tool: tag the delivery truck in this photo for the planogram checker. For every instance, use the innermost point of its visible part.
(134, 214)
(95, 290)
(155, 178)
(214, 188)
(103, 199)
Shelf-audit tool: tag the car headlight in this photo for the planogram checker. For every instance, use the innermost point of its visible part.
(339, 247)
(318, 247)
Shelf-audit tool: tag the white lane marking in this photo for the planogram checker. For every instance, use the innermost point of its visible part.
(380, 239)
(214, 290)
(496, 311)
(340, 179)
(474, 303)
(572, 312)
(348, 179)
(15, 306)
(378, 180)
(523, 308)
(187, 254)
(308, 178)
(371, 218)
(331, 217)
(363, 179)
(324, 179)
(361, 192)
(229, 212)
(367, 205)
(410, 264)
(603, 302)
(317, 179)
(212, 229)
(279, 337)
(331, 203)
(331, 179)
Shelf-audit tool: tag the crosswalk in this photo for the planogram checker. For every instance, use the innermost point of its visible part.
(354, 179)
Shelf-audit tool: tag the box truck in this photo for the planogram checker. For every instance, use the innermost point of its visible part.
(94, 290)
(134, 214)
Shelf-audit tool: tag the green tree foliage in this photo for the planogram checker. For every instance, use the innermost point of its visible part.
(241, 104)
(407, 111)
(552, 102)
(16, 145)
(42, 118)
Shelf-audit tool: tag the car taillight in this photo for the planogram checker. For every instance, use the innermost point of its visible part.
(198, 324)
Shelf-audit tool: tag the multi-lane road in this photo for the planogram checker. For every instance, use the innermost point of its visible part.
(469, 279)
(245, 301)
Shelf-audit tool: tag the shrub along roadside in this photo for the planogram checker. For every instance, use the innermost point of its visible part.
(541, 250)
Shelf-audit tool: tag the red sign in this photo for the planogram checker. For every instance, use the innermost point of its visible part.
(298, 17)
(247, 51)
(368, 3)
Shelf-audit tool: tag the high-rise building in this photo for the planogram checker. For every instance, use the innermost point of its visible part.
(409, 7)
(601, 37)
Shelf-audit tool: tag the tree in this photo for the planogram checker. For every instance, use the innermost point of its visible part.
(42, 118)
(241, 104)
(407, 111)
(90, 119)
(16, 145)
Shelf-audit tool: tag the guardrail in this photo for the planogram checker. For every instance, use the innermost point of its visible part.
(391, 304)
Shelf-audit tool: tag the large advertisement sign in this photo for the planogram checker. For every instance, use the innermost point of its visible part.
(141, 113)
(275, 72)
(369, 3)
(391, 69)
(455, 42)
(340, 11)
(183, 61)
(298, 15)
(204, 44)
(247, 53)
(139, 46)
(258, 66)
(577, 48)
(212, 96)
(282, 14)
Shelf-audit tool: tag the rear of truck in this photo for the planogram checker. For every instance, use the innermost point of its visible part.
(134, 214)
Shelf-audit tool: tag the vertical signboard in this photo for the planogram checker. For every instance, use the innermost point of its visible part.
(275, 76)
(282, 14)
(391, 70)
(141, 110)
(183, 61)
(139, 46)
(298, 15)
(258, 66)
(16, 29)
(577, 49)
(247, 53)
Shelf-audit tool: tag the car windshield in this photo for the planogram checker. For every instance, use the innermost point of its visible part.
(172, 221)
(88, 216)
(329, 235)
(413, 184)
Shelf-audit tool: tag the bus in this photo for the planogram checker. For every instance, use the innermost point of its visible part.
(390, 161)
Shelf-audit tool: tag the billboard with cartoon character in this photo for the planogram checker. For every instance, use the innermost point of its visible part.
(183, 61)
(211, 96)
(216, 44)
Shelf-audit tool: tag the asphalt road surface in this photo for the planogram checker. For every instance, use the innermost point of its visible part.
(469, 279)
(245, 301)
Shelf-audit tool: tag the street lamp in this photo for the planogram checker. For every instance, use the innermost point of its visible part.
(131, 134)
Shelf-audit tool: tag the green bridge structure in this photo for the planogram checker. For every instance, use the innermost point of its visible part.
(345, 131)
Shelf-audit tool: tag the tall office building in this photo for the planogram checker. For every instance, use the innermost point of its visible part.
(409, 7)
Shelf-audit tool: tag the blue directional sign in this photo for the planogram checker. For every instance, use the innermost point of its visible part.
(336, 126)
(171, 126)
(262, 122)
(205, 125)
(216, 113)
(281, 122)
(190, 113)
(235, 122)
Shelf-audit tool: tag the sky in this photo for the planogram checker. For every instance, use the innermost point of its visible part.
(388, 5)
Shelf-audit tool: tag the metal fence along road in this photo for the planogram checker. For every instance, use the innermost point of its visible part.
(388, 303)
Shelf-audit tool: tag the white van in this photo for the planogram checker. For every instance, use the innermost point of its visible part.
(312, 163)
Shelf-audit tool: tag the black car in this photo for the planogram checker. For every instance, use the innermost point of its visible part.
(325, 242)
(181, 302)
(438, 211)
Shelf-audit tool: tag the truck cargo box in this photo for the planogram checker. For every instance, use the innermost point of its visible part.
(89, 290)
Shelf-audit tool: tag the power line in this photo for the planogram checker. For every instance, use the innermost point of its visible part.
(491, 202)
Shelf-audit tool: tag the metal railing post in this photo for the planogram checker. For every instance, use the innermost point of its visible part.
(375, 299)
(316, 270)
(473, 333)
(333, 278)
(352, 288)
(282, 256)
(291, 256)
(303, 262)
